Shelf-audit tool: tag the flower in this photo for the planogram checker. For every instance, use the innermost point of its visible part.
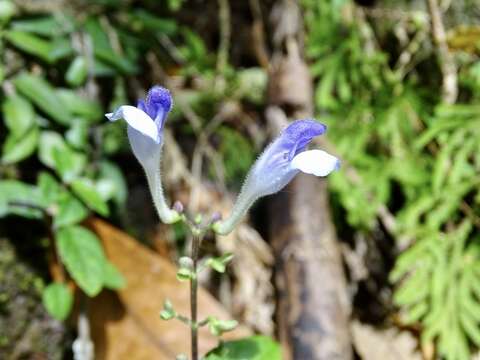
(145, 133)
(284, 158)
(145, 123)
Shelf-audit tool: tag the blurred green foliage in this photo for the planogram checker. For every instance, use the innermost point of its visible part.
(413, 155)
(60, 72)
(52, 110)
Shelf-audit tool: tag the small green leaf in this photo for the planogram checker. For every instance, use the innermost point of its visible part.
(219, 264)
(47, 50)
(30, 44)
(42, 94)
(113, 278)
(226, 258)
(184, 274)
(17, 191)
(77, 135)
(142, 19)
(111, 172)
(166, 315)
(69, 163)
(49, 140)
(78, 105)
(227, 325)
(86, 191)
(216, 265)
(168, 312)
(103, 51)
(17, 149)
(60, 49)
(58, 300)
(45, 26)
(83, 256)
(218, 327)
(167, 305)
(49, 187)
(18, 115)
(251, 348)
(70, 211)
(77, 71)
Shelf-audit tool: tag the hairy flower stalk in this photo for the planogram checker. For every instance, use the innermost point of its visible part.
(145, 133)
(284, 158)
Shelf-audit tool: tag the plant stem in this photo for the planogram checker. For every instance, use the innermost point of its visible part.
(193, 297)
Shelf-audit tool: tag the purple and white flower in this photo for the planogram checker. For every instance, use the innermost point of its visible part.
(284, 158)
(145, 133)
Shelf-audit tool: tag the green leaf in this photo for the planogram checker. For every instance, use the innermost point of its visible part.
(58, 300)
(70, 211)
(77, 71)
(15, 149)
(83, 256)
(17, 191)
(103, 50)
(111, 172)
(43, 95)
(142, 19)
(77, 135)
(251, 348)
(218, 327)
(47, 50)
(49, 140)
(49, 187)
(69, 163)
(19, 115)
(61, 48)
(184, 274)
(219, 264)
(86, 191)
(77, 105)
(113, 279)
(30, 44)
(165, 315)
(45, 26)
(168, 312)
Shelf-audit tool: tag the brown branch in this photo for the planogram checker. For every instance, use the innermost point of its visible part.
(225, 32)
(445, 58)
(258, 35)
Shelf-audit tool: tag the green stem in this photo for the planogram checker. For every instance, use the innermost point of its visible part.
(193, 298)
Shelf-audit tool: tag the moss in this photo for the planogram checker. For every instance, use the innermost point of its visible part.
(26, 330)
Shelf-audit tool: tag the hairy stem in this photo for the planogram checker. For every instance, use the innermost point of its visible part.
(167, 215)
(193, 297)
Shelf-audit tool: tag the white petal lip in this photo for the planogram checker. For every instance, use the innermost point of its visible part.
(316, 162)
(137, 119)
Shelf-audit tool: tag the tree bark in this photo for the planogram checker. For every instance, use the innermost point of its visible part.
(313, 307)
(312, 313)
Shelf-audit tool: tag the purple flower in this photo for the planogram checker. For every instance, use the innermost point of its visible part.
(145, 130)
(157, 105)
(149, 116)
(284, 158)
